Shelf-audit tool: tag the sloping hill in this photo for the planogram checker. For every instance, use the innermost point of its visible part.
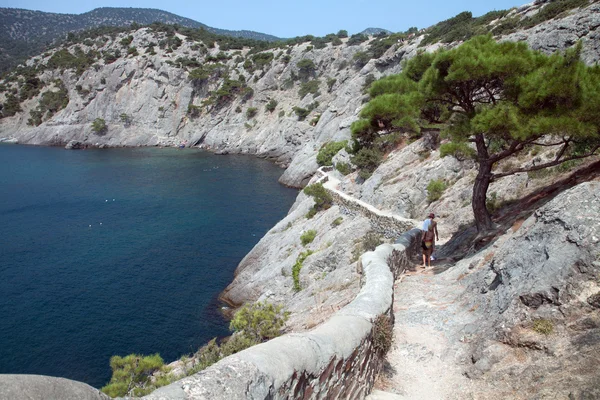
(24, 33)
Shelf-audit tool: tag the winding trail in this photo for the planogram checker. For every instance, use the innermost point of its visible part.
(427, 352)
(330, 182)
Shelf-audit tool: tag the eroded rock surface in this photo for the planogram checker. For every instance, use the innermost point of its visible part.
(516, 320)
(38, 387)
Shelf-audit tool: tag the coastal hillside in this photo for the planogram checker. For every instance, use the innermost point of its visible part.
(25, 33)
(294, 103)
(163, 85)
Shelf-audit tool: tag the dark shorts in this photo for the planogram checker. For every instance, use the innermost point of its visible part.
(428, 252)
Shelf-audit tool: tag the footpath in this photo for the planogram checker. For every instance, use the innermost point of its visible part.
(424, 362)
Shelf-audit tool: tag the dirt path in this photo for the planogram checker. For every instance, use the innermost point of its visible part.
(425, 360)
(426, 357)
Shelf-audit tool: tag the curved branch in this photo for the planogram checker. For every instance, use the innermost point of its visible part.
(546, 165)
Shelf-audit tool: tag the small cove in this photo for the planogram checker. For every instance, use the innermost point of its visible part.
(121, 251)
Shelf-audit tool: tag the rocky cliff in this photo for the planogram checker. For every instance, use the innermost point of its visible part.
(142, 85)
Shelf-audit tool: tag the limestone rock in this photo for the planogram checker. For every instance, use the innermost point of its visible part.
(74, 145)
(38, 387)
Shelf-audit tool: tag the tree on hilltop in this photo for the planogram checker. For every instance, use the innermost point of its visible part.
(493, 101)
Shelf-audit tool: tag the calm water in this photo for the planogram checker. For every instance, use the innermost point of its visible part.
(121, 251)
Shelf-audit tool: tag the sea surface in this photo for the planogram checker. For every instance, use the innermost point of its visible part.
(119, 251)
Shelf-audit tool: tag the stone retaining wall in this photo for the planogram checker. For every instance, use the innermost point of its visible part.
(388, 226)
(336, 360)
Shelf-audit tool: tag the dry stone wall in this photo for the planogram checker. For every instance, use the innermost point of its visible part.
(386, 225)
(336, 360)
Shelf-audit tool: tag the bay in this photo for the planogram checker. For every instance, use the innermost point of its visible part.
(119, 251)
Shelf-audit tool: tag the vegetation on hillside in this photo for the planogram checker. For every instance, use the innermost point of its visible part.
(463, 26)
(493, 101)
(137, 375)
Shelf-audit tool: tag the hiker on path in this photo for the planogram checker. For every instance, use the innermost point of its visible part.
(428, 238)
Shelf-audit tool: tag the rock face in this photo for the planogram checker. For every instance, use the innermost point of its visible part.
(534, 292)
(74, 145)
(558, 35)
(515, 320)
(145, 99)
(37, 387)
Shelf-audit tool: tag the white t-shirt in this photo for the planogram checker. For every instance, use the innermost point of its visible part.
(426, 224)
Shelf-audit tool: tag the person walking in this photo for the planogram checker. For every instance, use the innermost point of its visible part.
(428, 237)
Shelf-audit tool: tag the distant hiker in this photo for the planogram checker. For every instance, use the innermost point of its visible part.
(428, 237)
(429, 221)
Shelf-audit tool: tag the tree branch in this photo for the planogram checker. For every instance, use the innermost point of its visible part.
(547, 165)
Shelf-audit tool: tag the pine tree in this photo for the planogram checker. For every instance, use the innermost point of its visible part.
(494, 101)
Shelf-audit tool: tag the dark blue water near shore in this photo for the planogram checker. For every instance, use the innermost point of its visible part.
(120, 251)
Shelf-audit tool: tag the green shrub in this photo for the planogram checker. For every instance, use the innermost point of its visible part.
(309, 87)
(543, 326)
(370, 241)
(251, 112)
(126, 119)
(132, 375)
(259, 321)
(302, 113)
(382, 334)
(342, 33)
(328, 151)
(236, 343)
(330, 83)
(262, 59)
(31, 87)
(361, 59)
(297, 267)
(99, 126)
(337, 221)
(367, 160)
(343, 168)
(308, 237)
(110, 56)
(206, 356)
(281, 114)
(251, 325)
(11, 106)
(551, 10)
(271, 105)
(50, 103)
(356, 39)
(336, 41)
(126, 41)
(435, 189)
(321, 196)
(306, 69)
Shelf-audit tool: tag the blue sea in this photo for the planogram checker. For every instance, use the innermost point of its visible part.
(119, 251)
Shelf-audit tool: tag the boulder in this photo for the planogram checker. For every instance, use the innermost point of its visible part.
(38, 387)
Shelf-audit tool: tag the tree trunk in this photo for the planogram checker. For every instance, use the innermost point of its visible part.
(483, 220)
